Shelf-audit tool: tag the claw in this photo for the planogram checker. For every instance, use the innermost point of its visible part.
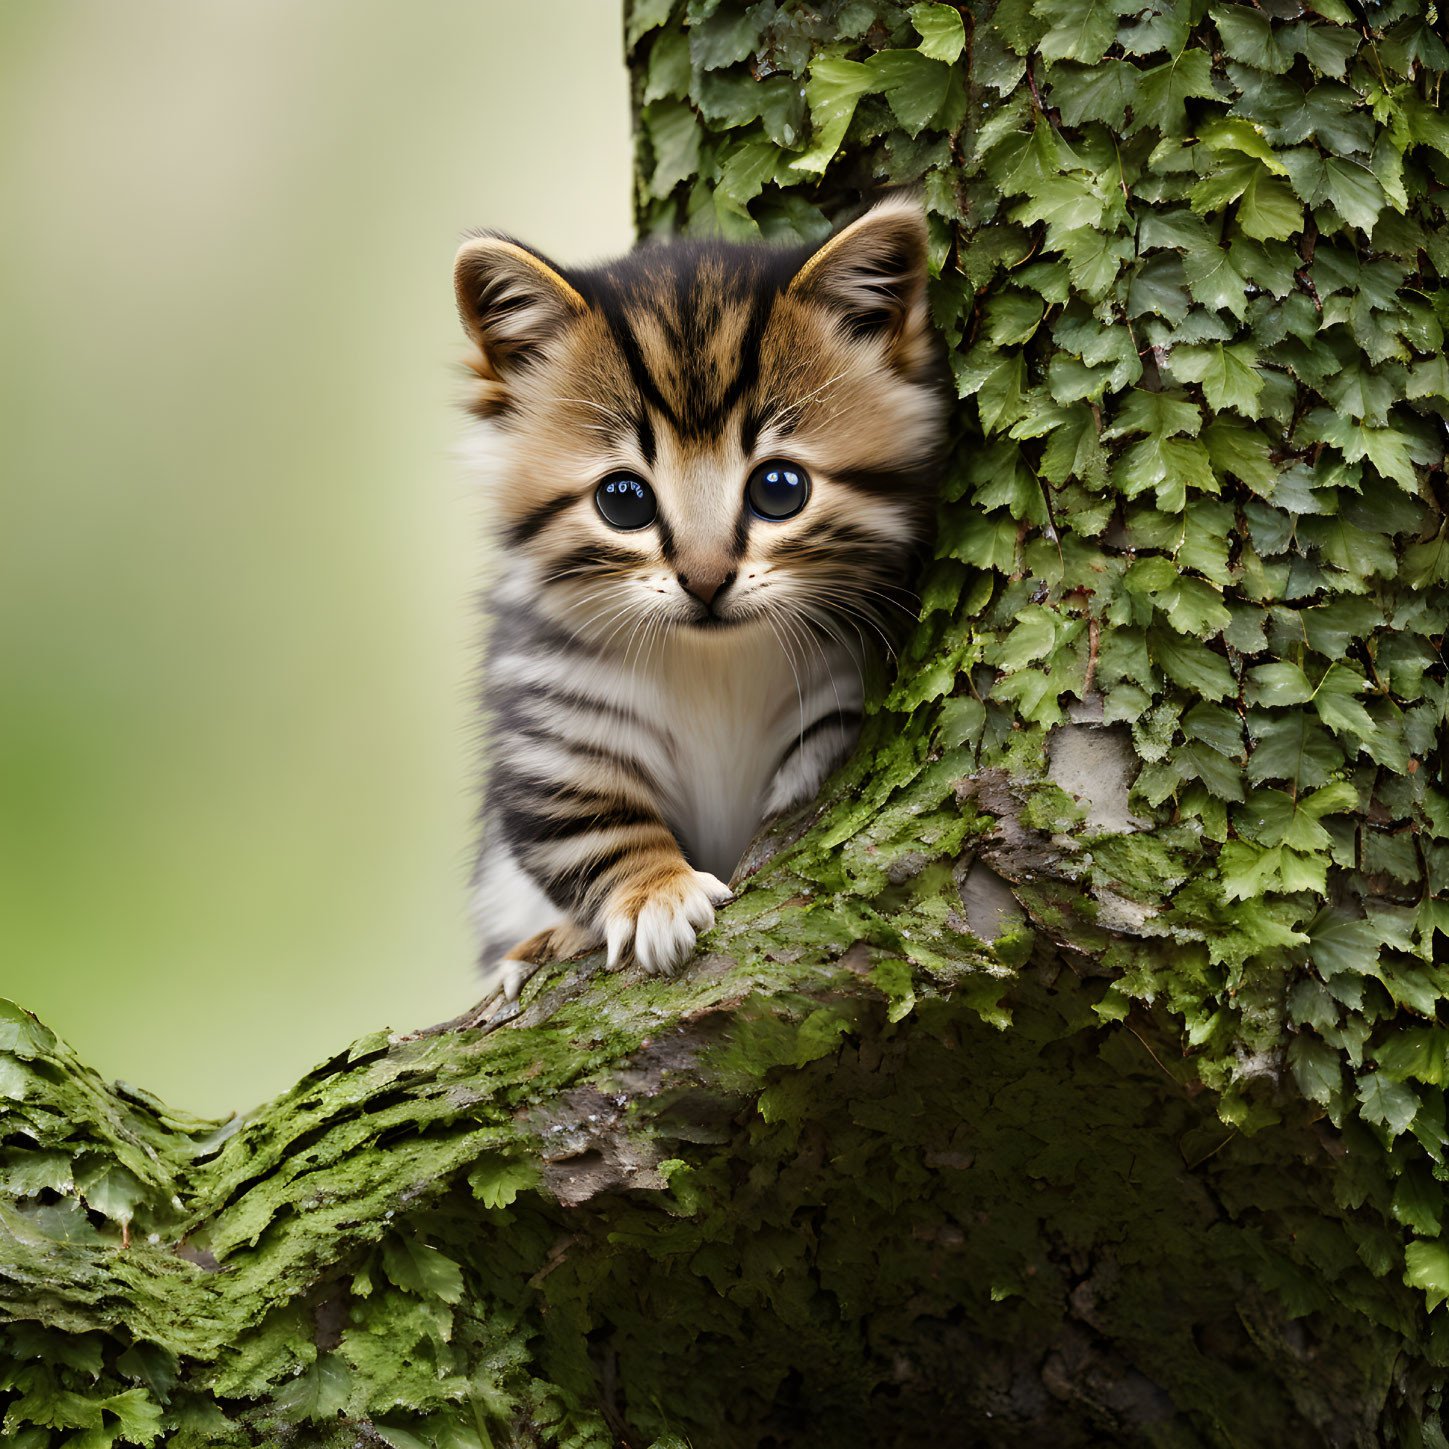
(662, 918)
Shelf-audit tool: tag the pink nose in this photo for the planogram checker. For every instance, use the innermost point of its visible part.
(704, 584)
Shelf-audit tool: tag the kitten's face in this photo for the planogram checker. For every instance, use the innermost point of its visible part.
(709, 439)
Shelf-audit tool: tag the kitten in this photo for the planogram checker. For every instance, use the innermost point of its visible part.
(712, 468)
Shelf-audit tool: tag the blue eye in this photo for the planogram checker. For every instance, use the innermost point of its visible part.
(625, 503)
(777, 490)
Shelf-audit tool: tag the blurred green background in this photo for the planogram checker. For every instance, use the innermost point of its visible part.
(236, 555)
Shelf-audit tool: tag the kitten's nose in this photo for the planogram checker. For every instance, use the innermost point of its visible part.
(704, 584)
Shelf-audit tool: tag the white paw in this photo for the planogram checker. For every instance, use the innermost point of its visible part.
(663, 918)
(502, 981)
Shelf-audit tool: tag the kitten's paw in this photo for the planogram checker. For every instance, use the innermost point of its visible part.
(661, 913)
(504, 978)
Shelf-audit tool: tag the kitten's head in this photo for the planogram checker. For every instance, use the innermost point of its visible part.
(705, 436)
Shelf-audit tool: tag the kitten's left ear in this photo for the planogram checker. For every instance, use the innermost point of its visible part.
(510, 300)
(873, 272)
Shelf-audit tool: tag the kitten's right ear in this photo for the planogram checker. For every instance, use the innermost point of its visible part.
(510, 300)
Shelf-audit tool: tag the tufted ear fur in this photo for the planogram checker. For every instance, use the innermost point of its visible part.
(873, 273)
(510, 300)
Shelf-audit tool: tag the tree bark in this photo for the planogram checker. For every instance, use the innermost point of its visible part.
(1071, 1073)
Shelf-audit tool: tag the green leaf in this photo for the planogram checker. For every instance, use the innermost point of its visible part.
(1278, 683)
(943, 36)
(1269, 210)
(1349, 188)
(914, 85)
(1388, 1102)
(1191, 664)
(1340, 943)
(1291, 747)
(1230, 133)
(1247, 35)
(1011, 317)
(1419, 1200)
(644, 16)
(1215, 281)
(668, 67)
(1162, 414)
(1417, 1052)
(1163, 92)
(1426, 1266)
(674, 134)
(1317, 1069)
(415, 1267)
(139, 1417)
(319, 1393)
(834, 87)
(747, 168)
(982, 540)
(1228, 374)
(1337, 704)
(1243, 453)
(497, 1181)
(1079, 29)
(1100, 92)
(1170, 465)
(726, 37)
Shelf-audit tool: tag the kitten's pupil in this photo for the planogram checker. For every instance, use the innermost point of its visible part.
(625, 502)
(777, 489)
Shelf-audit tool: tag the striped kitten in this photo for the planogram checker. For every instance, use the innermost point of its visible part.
(713, 470)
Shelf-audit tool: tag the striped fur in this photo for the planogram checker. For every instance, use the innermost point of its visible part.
(640, 732)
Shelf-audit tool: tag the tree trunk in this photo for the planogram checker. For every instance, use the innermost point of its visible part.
(1071, 1074)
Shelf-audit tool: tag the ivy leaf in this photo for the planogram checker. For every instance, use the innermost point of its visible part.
(1417, 1052)
(497, 1181)
(1337, 706)
(1387, 1101)
(1279, 683)
(139, 1417)
(1291, 747)
(1079, 29)
(1340, 943)
(416, 1267)
(1345, 185)
(982, 540)
(1162, 414)
(1163, 92)
(1317, 1069)
(1247, 35)
(1100, 92)
(675, 136)
(943, 36)
(1269, 210)
(914, 85)
(1011, 318)
(1242, 453)
(1228, 374)
(668, 67)
(1214, 281)
(319, 1393)
(1426, 1266)
(1191, 664)
(727, 36)
(1231, 133)
(834, 87)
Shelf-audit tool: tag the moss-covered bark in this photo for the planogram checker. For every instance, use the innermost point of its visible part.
(1071, 1075)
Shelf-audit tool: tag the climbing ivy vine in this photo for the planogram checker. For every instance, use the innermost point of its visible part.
(1189, 260)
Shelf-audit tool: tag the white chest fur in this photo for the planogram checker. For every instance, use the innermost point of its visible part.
(732, 704)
